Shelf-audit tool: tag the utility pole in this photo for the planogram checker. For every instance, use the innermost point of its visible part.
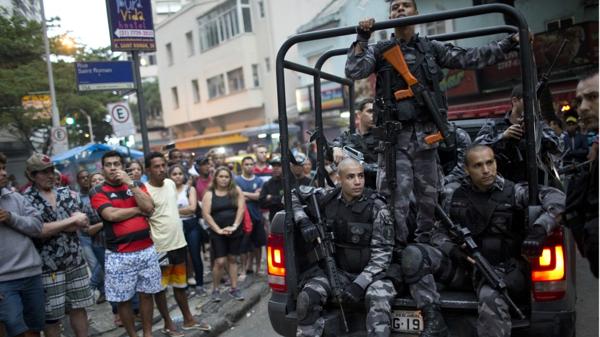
(55, 114)
(89, 121)
(140, 102)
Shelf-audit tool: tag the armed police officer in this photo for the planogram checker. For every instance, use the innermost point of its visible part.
(362, 140)
(493, 209)
(416, 115)
(507, 138)
(363, 237)
(452, 161)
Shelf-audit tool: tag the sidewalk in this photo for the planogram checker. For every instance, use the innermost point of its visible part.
(220, 316)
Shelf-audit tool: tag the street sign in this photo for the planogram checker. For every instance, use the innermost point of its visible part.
(60, 139)
(104, 75)
(130, 25)
(121, 119)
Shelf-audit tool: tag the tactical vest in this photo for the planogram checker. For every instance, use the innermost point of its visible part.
(352, 227)
(448, 155)
(496, 223)
(422, 64)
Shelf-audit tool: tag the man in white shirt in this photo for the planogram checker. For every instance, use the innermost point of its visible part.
(166, 231)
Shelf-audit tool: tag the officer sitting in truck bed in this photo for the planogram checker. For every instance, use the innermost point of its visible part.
(363, 239)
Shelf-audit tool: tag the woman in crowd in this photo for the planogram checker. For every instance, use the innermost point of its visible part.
(223, 208)
(135, 170)
(186, 200)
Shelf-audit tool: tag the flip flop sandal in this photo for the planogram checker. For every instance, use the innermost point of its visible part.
(197, 326)
(171, 333)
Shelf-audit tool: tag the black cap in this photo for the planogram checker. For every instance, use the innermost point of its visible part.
(275, 161)
(202, 161)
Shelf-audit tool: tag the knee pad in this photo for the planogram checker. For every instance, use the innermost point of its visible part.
(413, 264)
(308, 306)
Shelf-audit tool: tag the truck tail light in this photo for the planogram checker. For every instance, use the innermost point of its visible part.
(549, 270)
(276, 262)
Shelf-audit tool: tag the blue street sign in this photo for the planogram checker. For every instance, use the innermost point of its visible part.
(104, 75)
(130, 25)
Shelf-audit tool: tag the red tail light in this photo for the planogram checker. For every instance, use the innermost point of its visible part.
(276, 262)
(549, 270)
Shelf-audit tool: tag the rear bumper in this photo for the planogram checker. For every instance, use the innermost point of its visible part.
(552, 324)
(281, 322)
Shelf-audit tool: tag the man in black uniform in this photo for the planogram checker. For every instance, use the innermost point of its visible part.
(362, 140)
(493, 209)
(507, 139)
(363, 235)
(271, 194)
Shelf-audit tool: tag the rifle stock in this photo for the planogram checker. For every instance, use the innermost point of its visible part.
(481, 263)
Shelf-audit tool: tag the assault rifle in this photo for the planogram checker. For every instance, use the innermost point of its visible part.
(574, 168)
(481, 263)
(385, 130)
(543, 82)
(324, 240)
(393, 54)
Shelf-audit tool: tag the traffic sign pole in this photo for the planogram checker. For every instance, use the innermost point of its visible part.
(135, 55)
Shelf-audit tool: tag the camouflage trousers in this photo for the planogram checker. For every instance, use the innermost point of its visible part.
(417, 173)
(420, 262)
(378, 297)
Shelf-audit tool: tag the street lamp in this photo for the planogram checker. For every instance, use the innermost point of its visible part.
(55, 114)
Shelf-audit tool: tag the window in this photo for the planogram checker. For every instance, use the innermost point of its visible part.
(235, 80)
(196, 91)
(261, 8)
(224, 22)
(255, 78)
(559, 24)
(190, 43)
(268, 64)
(216, 86)
(169, 54)
(175, 97)
(152, 59)
(434, 28)
(167, 7)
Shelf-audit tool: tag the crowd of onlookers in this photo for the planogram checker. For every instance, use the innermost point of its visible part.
(127, 232)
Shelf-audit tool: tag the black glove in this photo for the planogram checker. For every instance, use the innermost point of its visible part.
(532, 245)
(353, 293)
(309, 230)
(362, 35)
(460, 257)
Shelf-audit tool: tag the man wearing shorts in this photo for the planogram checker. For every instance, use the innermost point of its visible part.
(251, 185)
(21, 290)
(131, 263)
(168, 237)
(64, 271)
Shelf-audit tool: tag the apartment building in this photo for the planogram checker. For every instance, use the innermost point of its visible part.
(216, 64)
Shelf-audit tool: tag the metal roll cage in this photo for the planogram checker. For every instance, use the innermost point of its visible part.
(528, 81)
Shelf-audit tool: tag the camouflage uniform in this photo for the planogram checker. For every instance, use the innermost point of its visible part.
(416, 161)
(510, 154)
(379, 291)
(420, 263)
(452, 162)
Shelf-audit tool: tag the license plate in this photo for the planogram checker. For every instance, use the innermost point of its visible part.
(407, 321)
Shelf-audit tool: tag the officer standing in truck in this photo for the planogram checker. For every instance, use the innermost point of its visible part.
(363, 235)
(493, 209)
(416, 159)
(362, 140)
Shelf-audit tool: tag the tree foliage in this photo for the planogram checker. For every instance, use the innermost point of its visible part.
(23, 71)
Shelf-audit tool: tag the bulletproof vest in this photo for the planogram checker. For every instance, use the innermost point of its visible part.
(582, 196)
(496, 223)
(421, 62)
(352, 227)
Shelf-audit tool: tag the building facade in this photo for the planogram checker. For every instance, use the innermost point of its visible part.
(216, 64)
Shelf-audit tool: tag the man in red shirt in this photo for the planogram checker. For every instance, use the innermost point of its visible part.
(131, 260)
(262, 169)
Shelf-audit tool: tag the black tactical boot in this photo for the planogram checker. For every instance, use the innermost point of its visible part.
(433, 321)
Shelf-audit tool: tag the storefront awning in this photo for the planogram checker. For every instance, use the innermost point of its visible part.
(210, 141)
(485, 109)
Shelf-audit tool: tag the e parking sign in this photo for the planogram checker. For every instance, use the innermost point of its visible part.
(121, 119)
(60, 139)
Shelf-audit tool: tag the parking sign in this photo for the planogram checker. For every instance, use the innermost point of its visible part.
(121, 119)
